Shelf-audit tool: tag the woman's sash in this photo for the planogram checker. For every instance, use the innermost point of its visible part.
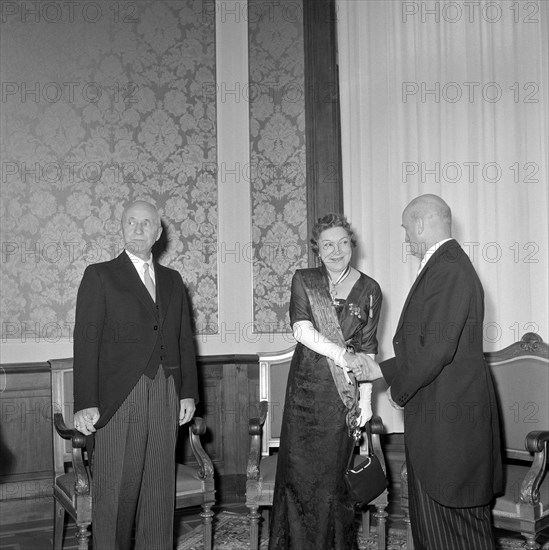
(327, 323)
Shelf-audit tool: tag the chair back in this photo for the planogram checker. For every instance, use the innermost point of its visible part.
(273, 376)
(521, 377)
(62, 401)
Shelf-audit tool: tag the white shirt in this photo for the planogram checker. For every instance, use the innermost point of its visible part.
(138, 263)
(430, 252)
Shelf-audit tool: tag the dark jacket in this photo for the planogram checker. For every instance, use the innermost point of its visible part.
(120, 333)
(440, 377)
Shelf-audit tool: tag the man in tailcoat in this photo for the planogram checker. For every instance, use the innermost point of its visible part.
(135, 382)
(441, 379)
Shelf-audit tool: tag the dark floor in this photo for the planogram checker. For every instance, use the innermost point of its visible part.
(39, 535)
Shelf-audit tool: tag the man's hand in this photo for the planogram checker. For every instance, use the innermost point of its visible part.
(365, 368)
(186, 410)
(85, 419)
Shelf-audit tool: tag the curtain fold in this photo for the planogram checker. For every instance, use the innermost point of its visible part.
(449, 98)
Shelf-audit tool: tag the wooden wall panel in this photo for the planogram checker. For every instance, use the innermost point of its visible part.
(229, 398)
(25, 429)
(229, 389)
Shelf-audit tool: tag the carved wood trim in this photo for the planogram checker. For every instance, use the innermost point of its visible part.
(530, 344)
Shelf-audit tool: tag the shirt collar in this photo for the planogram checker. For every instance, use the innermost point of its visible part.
(138, 263)
(430, 252)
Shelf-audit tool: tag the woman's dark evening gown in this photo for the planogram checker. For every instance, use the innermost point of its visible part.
(311, 506)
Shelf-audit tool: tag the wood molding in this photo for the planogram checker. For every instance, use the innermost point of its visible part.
(322, 116)
(9, 368)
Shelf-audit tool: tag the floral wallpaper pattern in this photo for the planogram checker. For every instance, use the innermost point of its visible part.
(277, 142)
(103, 103)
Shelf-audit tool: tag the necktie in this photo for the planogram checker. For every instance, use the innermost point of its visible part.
(148, 281)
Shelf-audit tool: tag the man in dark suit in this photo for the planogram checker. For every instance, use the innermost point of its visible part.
(440, 378)
(135, 381)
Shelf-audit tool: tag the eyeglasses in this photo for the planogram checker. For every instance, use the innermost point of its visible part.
(331, 246)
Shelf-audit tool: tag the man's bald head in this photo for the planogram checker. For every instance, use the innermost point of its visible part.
(143, 206)
(427, 220)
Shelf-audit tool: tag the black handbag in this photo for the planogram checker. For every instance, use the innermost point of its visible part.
(364, 475)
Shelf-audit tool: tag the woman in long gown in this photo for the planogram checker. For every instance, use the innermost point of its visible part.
(311, 507)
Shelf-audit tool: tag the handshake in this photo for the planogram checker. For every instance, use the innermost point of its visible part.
(364, 368)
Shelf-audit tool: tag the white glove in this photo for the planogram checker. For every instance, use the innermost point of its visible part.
(365, 403)
(305, 332)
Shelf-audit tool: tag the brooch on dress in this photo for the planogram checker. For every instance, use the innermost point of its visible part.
(357, 311)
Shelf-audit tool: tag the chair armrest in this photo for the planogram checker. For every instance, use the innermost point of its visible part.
(255, 429)
(376, 425)
(536, 442)
(205, 465)
(78, 441)
(78, 438)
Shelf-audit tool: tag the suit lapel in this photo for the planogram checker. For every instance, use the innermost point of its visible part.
(433, 259)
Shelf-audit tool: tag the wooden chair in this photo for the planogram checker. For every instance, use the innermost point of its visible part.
(521, 377)
(72, 486)
(265, 439)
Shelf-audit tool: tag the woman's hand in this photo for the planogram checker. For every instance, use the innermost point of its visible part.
(365, 368)
(348, 358)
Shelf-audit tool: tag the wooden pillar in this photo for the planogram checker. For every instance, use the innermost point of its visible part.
(323, 139)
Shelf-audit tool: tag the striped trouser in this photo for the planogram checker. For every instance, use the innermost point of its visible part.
(134, 469)
(438, 527)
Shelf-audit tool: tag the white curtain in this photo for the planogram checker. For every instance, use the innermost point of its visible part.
(451, 98)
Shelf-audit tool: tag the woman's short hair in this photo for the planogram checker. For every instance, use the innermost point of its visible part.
(327, 222)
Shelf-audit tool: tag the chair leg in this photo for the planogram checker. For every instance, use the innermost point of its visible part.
(366, 522)
(58, 524)
(404, 506)
(207, 517)
(530, 543)
(409, 538)
(381, 517)
(265, 520)
(82, 536)
(254, 517)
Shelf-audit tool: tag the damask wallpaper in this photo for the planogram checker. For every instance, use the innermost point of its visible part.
(277, 143)
(104, 103)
